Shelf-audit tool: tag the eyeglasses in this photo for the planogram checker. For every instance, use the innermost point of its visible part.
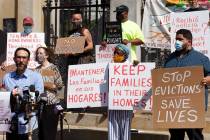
(118, 53)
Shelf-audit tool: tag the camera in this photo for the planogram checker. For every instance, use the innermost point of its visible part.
(23, 101)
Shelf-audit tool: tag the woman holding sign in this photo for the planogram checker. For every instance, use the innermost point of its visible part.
(52, 83)
(120, 120)
(79, 30)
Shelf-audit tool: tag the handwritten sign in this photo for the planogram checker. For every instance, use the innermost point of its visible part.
(106, 54)
(197, 23)
(87, 85)
(31, 42)
(128, 84)
(70, 45)
(5, 111)
(113, 33)
(7, 69)
(178, 98)
(46, 72)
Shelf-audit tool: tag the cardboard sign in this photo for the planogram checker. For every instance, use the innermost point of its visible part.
(7, 69)
(49, 85)
(178, 98)
(128, 84)
(70, 45)
(46, 72)
(31, 41)
(87, 85)
(113, 33)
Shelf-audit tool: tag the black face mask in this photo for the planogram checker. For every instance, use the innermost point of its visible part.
(77, 25)
(119, 16)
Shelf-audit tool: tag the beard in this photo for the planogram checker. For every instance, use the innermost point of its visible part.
(21, 67)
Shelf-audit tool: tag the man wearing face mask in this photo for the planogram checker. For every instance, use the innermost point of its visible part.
(131, 32)
(27, 25)
(185, 56)
(80, 30)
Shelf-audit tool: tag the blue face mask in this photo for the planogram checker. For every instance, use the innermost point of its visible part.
(27, 29)
(178, 45)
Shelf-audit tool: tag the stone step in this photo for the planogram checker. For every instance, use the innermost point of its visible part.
(141, 121)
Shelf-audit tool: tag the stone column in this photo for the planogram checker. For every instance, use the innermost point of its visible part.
(32, 8)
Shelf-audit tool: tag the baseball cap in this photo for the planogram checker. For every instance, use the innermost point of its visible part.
(28, 20)
(121, 8)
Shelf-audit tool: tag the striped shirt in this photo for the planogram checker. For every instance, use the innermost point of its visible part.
(119, 122)
(55, 79)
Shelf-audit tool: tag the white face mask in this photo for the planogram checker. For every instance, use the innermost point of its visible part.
(178, 45)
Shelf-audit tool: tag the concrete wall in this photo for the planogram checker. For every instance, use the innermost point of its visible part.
(32, 8)
(19, 9)
(7, 10)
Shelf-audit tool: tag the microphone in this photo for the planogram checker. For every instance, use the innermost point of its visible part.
(36, 96)
(32, 88)
(43, 97)
(42, 102)
(16, 95)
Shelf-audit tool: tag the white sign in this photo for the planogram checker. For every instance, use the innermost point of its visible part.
(87, 85)
(156, 24)
(197, 23)
(128, 84)
(5, 111)
(105, 54)
(31, 42)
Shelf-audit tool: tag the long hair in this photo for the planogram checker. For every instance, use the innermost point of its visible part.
(49, 52)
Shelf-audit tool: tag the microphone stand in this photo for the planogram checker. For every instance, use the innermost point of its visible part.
(61, 124)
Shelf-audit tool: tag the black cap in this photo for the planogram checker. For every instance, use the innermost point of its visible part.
(121, 8)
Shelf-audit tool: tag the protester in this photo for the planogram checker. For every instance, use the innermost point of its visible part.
(119, 121)
(52, 83)
(27, 25)
(131, 32)
(184, 56)
(80, 30)
(15, 82)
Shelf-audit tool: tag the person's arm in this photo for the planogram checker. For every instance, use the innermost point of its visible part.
(133, 42)
(206, 66)
(88, 39)
(138, 38)
(58, 78)
(3, 65)
(206, 80)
